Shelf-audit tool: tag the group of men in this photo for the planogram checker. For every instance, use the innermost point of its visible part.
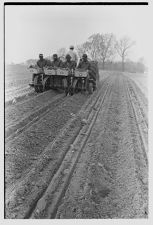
(71, 61)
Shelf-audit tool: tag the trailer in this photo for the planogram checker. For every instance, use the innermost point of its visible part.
(49, 78)
(71, 81)
(86, 80)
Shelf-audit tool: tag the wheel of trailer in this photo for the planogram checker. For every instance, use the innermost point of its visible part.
(40, 88)
(46, 84)
(82, 88)
(90, 88)
(36, 87)
(95, 86)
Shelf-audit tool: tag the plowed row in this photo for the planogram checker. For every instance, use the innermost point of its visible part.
(83, 158)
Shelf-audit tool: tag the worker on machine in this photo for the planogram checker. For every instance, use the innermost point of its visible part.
(73, 54)
(56, 62)
(84, 64)
(70, 65)
(41, 63)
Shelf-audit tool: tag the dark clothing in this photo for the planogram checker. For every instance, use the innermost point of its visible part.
(87, 66)
(68, 81)
(84, 65)
(42, 63)
(56, 63)
(48, 62)
(69, 65)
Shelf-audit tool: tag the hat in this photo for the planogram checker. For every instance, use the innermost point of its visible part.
(71, 47)
(68, 56)
(54, 55)
(84, 56)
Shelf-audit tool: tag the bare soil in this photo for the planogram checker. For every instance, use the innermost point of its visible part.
(84, 157)
(110, 180)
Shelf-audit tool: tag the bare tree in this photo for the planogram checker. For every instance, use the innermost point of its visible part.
(106, 47)
(122, 48)
(94, 46)
(99, 47)
(84, 49)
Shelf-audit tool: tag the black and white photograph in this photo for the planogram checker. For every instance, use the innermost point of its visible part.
(76, 110)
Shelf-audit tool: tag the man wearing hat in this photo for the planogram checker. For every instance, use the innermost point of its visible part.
(56, 61)
(73, 54)
(41, 62)
(69, 64)
(84, 63)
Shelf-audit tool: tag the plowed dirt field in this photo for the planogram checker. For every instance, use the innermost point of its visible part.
(82, 156)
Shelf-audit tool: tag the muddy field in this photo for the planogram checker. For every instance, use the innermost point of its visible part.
(81, 156)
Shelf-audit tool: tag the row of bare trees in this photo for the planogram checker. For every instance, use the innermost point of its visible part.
(105, 47)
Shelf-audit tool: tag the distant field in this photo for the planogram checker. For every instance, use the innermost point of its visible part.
(141, 79)
(16, 75)
(17, 78)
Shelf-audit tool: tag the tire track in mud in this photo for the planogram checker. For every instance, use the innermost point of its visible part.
(16, 111)
(22, 150)
(62, 178)
(141, 121)
(67, 139)
(110, 179)
(87, 103)
(14, 130)
(80, 188)
(15, 147)
(16, 124)
(139, 99)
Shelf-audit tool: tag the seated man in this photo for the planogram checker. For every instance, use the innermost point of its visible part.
(84, 64)
(67, 81)
(56, 62)
(69, 63)
(41, 63)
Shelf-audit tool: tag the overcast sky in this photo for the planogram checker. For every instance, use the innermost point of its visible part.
(30, 30)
